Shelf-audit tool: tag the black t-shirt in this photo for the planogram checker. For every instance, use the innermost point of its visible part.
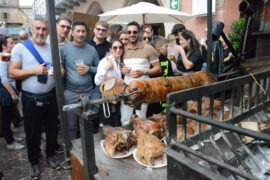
(101, 48)
(166, 67)
(194, 57)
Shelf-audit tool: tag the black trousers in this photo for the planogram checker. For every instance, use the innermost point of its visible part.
(36, 117)
(8, 113)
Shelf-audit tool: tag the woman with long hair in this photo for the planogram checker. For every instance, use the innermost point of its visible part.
(189, 59)
(122, 36)
(9, 109)
(110, 66)
(113, 32)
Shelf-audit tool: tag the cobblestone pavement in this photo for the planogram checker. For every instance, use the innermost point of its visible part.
(15, 166)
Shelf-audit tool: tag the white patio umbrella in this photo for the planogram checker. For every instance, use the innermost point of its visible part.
(144, 13)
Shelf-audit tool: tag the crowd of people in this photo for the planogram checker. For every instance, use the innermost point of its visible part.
(125, 54)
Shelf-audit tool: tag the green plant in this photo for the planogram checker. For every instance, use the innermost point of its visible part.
(236, 34)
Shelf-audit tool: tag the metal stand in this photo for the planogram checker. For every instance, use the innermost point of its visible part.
(58, 77)
(84, 110)
(89, 162)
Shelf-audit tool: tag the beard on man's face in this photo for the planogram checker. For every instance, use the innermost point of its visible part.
(133, 40)
(80, 39)
(39, 41)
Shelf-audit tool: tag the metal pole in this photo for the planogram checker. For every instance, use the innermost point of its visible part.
(57, 75)
(209, 34)
(88, 149)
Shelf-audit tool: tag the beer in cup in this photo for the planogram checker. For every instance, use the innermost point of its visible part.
(5, 56)
(50, 70)
(78, 63)
(137, 67)
(171, 55)
(132, 73)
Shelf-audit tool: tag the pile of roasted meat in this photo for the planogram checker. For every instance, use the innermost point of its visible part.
(151, 131)
(118, 141)
(149, 148)
(149, 134)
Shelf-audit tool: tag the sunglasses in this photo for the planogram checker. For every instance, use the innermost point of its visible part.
(103, 30)
(64, 26)
(149, 38)
(132, 32)
(117, 47)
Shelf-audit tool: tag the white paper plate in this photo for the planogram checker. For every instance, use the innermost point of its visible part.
(158, 163)
(129, 153)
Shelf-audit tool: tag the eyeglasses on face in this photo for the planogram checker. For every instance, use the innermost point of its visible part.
(117, 47)
(132, 32)
(100, 29)
(64, 26)
(149, 38)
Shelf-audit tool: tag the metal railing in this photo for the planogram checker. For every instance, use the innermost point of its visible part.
(243, 97)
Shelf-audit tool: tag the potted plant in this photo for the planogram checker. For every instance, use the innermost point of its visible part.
(236, 34)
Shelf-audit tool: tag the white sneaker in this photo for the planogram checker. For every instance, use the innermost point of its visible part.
(17, 139)
(15, 146)
(43, 136)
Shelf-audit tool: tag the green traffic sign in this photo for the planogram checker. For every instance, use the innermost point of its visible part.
(174, 4)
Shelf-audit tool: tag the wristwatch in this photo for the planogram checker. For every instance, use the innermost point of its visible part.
(146, 73)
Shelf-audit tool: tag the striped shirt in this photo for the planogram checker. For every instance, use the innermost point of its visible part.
(139, 58)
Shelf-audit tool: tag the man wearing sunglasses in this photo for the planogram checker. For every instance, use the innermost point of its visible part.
(147, 38)
(98, 41)
(102, 46)
(140, 61)
(63, 26)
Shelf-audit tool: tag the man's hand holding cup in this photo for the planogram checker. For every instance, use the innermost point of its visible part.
(137, 73)
(40, 70)
(81, 68)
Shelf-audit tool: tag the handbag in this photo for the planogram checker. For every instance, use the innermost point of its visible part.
(110, 88)
(5, 97)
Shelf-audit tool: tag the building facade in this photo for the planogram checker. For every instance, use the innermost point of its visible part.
(223, 10)
(13, 18)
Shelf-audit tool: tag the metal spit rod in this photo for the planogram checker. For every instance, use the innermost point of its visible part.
(79, 105)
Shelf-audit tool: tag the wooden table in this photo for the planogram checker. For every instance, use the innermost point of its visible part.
(118, 169)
